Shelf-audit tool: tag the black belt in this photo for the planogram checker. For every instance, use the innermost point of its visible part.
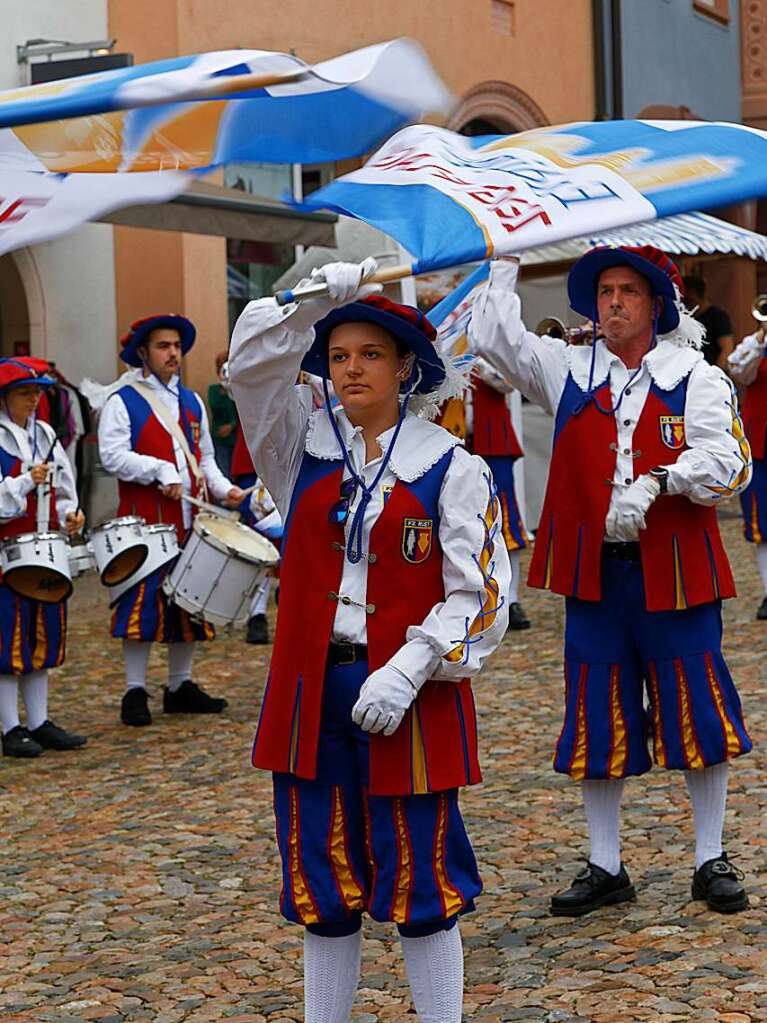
(622, 551)
(346, 653)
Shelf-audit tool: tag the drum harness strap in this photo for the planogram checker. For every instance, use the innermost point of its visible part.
(174, 429)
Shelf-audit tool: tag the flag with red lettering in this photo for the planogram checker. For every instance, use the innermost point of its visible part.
(449, 199)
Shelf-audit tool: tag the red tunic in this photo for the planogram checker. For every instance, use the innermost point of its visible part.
(149, 437)
(755, 411)
(683, 559)
(435, 747)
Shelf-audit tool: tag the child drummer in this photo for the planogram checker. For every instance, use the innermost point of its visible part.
(392, 565)
(32, 633)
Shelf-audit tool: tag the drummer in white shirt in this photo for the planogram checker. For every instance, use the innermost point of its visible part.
(157, 461)
(32, 633)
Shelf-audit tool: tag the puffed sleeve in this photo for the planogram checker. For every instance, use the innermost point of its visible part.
(717, 462)
(535, 366)
(459, 633)
(744, 361)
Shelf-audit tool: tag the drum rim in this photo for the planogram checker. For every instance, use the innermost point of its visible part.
(221, 545)
(160, 527)
(123, 520)
(49, 534)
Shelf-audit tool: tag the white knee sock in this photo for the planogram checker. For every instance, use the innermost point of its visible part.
(708, 793)
(260, 600)
(9, 702)
(331, 976)
(34, 693)
(434, 967)
(514, 558)
(761, 560)
(136, 656)
(602, 803)
(179, 664)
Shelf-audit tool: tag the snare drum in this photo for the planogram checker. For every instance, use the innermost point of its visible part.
(162, 543)
(219, 569)
(80, 559)
(119, 548)
(36, 565)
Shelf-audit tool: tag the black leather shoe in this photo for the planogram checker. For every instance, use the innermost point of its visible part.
(258, 630)
(592, 888)
(190, 699)
(135, 709)
(717, 882)
(517, 618)
(50, 736)
(761, 614)
(19, 743)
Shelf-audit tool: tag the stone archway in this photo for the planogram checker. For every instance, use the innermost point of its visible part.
(28, 275)
(15, 336)
(496, 108)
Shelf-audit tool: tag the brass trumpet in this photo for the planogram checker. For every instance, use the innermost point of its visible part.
(759, 312)
(552, 326)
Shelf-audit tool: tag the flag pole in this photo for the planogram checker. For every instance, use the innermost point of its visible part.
(387, 275)
(221, 87)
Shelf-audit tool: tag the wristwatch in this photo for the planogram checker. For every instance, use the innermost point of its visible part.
(660, 474)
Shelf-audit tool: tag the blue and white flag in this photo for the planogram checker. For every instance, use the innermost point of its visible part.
(451, 315)
(467, 199)
(73, 150)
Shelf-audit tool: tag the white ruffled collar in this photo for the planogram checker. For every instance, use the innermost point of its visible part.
(667, 364)
(420, 444)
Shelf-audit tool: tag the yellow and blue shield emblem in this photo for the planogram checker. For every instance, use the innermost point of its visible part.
(672, 431)
(416, 540)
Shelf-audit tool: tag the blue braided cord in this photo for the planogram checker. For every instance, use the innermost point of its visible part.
(354, 551)
(487, 575)
(591, 391)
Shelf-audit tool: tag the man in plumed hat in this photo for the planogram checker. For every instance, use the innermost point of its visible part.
(154, 437)
(647, 441)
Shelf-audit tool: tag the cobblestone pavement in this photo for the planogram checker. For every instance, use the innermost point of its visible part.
(138, 876)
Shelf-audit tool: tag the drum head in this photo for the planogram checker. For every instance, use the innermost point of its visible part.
(124, 565)
(38, 583)
(240, 540)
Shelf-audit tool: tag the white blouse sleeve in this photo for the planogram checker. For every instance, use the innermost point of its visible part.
(116, 454)
(268, 346)
(535, 366)
(743, 361)
(717, 462)
(459, 633)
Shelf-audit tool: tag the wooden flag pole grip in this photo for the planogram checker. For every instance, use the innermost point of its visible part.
(387, 275)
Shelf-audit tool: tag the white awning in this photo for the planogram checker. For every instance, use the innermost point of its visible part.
(690, 234)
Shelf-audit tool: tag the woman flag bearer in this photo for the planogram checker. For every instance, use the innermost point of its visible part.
(32, 634)
(647, 441)
(393, 563)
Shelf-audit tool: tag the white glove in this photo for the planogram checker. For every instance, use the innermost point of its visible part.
(383, 700)
(627, 513)
(345, 280)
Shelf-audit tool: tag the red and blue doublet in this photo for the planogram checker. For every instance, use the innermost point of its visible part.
(32, 634)
(753, 500)
(144, 612)
(495, 439)
(639, 616)
(364, 822)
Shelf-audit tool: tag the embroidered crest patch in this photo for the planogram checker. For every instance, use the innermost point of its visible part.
(416, 540)
(672, 431)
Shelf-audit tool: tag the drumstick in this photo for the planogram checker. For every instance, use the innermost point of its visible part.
(214, 509)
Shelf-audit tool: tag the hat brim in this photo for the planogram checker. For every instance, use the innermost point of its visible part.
(186, 331)
(584, 276)
(27, 381)
(429, 363)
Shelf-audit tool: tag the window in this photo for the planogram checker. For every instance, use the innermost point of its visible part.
(718, 9)
(502, 16)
